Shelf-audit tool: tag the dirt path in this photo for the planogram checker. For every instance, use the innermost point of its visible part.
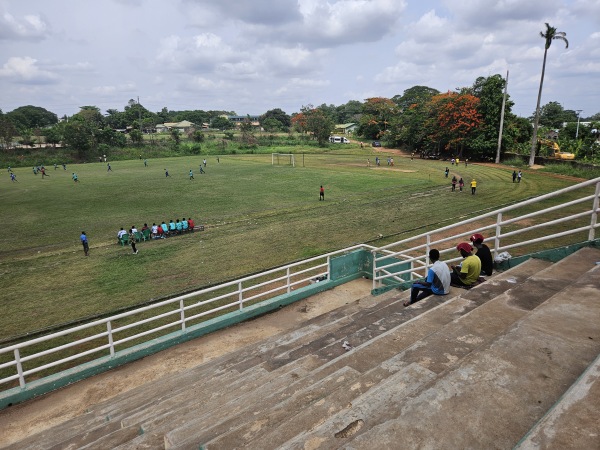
(52, 409)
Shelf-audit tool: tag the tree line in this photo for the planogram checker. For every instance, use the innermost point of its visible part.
(463, 122)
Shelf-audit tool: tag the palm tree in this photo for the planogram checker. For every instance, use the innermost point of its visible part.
(549, 35)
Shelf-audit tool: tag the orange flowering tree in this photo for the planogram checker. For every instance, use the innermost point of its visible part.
(452, 118)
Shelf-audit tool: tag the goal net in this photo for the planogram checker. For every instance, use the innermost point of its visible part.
(281, 159)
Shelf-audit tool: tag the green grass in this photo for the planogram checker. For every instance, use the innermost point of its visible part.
(257, 216)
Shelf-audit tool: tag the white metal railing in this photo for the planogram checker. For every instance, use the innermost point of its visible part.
(104, 336)
(389, 261)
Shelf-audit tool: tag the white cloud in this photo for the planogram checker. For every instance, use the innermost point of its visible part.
(30, 27)
(125, 88)
(25, 70)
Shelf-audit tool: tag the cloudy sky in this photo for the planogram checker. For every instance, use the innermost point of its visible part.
(250, 56)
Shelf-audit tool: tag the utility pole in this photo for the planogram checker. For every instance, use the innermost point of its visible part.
(577, 132)
(140, 114)
(501, 121)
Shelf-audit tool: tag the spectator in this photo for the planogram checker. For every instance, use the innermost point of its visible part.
(121, 233)
(178, 226)
(519, 176)
(154, 230)
(483, 253)
(185, 225)
(134, 229)
(165, 228)
(514, 175)
(172, 227)
(437, 281)
(468, 272)
(132, 241)
(160, 233)
(191, 224)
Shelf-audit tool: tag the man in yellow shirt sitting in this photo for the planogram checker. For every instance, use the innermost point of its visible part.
(468, 272)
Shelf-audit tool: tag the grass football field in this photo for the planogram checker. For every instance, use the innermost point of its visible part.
(256, 215)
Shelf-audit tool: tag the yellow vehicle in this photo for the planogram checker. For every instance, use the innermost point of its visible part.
(552, 150)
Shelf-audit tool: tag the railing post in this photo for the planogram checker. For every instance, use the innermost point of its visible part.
(240, 296)
(374, 269)
(427, 248)
(19, 369)
(289, 286)
(594, 221)
(110, 339)
(182, 314)
(498, 230)
(328, 268)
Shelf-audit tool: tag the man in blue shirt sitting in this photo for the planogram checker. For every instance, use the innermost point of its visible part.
(437, 281)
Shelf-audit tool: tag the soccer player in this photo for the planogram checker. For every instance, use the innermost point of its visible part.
(84, 242)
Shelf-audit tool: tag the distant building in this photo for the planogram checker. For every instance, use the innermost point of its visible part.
(184, 126)
(254, 120)
(345, 128)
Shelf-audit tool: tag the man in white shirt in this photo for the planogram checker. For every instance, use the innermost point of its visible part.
(437, 281)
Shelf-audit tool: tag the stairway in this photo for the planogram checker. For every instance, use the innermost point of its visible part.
(503, 364)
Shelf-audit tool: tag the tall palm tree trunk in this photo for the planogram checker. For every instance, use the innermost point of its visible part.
(537, 114)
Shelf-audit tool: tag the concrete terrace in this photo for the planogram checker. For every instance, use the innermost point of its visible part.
(513, 362)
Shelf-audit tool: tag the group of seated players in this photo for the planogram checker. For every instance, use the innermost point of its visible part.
(161, 231)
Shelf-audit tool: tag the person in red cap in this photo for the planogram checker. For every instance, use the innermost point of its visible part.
(483, 253)
(468, 272)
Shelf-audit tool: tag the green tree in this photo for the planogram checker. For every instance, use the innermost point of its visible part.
(136, 136)
(283, 120)
(30, 117)
(111, 137)
(175, 136)
(197, 136)
(222, 123)
(26, 137)
(550, 35)
(54, 135)
(553, 115)
(408, 126)
(416, 95)
(350, 112)
(78, 135)
(7, 131)
(271, 125)
(483, 142)
(318, 123)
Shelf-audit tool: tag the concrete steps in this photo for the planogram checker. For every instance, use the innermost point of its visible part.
(495, 395)
(370, 358)
(573, 422)
(475, 369)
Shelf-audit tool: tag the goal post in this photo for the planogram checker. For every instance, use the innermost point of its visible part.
(281, 159)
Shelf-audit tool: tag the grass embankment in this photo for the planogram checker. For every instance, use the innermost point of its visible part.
(257, 216)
